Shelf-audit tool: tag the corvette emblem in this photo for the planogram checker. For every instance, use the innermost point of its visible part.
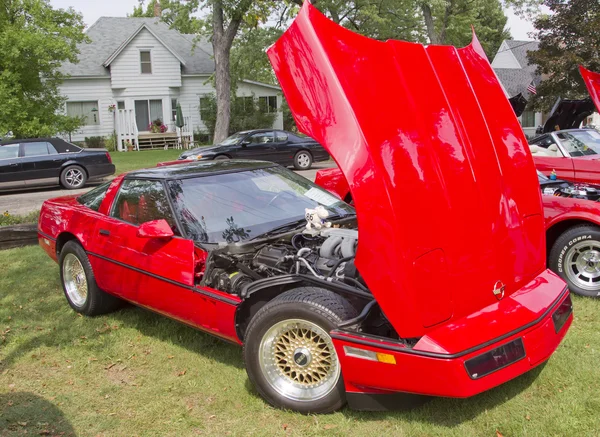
(499, 290)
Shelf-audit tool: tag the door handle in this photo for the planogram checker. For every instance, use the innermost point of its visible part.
(104, 232)
(14, 165)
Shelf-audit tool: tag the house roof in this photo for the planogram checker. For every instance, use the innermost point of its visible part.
(516, 80)
(109, 35)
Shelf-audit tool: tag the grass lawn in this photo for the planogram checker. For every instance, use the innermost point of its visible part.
(127, 161)
(137, 373)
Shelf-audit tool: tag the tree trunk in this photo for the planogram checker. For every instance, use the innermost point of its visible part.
(428, 16)
(223, 89)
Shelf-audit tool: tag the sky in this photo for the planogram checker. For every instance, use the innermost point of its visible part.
(93, 9)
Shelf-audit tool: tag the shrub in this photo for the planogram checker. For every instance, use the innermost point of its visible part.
(94, 142)
(7, 219)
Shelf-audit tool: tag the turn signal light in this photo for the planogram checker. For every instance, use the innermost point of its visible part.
(369, 355)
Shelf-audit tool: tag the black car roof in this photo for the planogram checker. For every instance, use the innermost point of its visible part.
(59, 144)
(196, 169)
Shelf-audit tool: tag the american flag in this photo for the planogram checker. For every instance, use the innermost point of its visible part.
(531, 88)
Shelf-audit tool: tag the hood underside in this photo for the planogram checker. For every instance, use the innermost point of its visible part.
(438, 166)
(592, 82)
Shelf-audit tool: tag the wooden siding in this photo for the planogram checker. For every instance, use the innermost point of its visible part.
(126, 71)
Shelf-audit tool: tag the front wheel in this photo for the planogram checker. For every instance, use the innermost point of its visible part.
(575, 256)
(289, 355)
(303, 160)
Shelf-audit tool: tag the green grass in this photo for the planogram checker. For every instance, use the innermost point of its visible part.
(127, 161)
(137, 373)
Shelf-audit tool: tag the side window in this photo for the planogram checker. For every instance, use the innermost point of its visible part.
(262, 138)
(140, 201)
(93, 198)
(545, 141)
(10, 151)
(51, 149)
(280, 137)
(35, 149)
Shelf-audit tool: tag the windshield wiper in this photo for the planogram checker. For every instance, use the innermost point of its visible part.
(285, 227)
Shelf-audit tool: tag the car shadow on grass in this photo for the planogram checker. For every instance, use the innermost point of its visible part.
(28, 413)
(450, 412)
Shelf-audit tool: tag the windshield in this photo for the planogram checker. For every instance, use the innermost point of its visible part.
(233, 139)
(580, 142)
(240, 206)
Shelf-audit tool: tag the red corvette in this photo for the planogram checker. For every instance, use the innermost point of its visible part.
(573, 154)
(326, 318)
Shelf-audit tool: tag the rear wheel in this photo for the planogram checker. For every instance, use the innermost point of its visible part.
(73, 177)
(289, 355)
(79, 283)
(575, 256)
(303, 160)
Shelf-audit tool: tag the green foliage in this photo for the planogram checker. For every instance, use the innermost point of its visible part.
(174, 13)
(245, 114)
(289, 124)
(69, 125)
(568, 38)
(111, 142)
(35, 40)
(7, 219)
(94, 142)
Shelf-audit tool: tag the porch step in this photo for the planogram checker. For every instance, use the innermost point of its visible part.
(157, 141)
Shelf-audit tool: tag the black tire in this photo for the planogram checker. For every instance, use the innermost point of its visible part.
(96, 301)
(221, 157)
(73, 177)
(572, 248)
(310, 305)
(303, 160)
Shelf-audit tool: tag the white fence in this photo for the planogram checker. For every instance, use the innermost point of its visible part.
(126, 129)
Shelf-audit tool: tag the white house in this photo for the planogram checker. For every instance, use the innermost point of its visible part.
(136, 70)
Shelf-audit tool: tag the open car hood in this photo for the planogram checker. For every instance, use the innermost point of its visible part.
(444, 185)
(592, 82)
(568, 114)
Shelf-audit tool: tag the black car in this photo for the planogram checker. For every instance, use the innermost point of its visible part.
(50, 161)
(278, 146)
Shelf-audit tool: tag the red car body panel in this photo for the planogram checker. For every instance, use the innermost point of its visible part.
(453, 138)
(556, 209)
(592, 82)
(453, 142)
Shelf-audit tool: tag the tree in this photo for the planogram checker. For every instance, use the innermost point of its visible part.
(35, 39)
(172, 12)
(568, 38)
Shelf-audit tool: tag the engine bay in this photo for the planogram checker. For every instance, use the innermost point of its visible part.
(576, 191)
(327, 254)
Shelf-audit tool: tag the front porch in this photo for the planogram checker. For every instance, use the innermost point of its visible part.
(128, 135)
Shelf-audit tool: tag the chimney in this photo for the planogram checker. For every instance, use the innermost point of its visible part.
(157, 10)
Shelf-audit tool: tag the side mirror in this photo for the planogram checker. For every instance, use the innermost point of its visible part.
(245, 143)
(155, 229)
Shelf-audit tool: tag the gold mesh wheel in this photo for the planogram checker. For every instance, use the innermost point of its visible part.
(298, 360)
(75, 280)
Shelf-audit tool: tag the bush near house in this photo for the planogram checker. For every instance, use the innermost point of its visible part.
(246, 114)
(94, 142)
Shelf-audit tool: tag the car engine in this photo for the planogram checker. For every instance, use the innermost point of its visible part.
(327, 254)
(576, 191)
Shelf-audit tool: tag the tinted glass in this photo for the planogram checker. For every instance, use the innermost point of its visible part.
(280, 137)
(233, 139)
(240, 206)
(93, 198)
(580, 143)
(9, 151)
(545, 141)
(141, 201)
(35, 149)
(262, 138)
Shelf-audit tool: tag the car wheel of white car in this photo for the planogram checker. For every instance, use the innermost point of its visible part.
(73, 177)
(289, 355)
(79, 283)
(575, 256)
(303, 160)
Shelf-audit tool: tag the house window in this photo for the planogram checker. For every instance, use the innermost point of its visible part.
(528, 119)
(268, 103)
(205, 105)
(121, 105)
(173, 109)
(145, 62)
(147, 111)
(245, 105)
(88, 110)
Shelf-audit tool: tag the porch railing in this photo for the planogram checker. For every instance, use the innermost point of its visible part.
(126, 129)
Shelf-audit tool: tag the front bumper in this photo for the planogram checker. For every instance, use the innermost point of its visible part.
(434, 373)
